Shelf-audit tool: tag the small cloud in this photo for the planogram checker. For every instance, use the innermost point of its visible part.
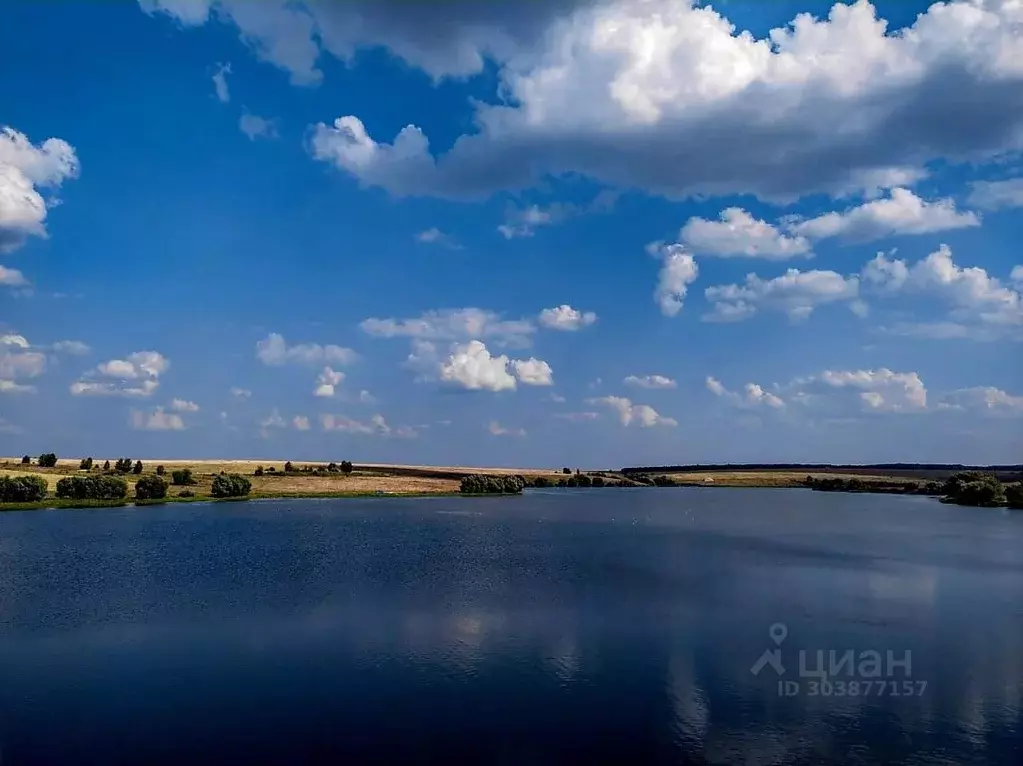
(634, 414)
(650, 381)
(273, 350)
(220, 83)
(254, 126)
(158, 420)
(365, 397)
(434, 236)
(497, 429)
(183, 405)
(566, 318)
(577, 417)
(240, 393)
(327, 381)
(12, 278)
(10, 387)
(73, 347)
(300, 423)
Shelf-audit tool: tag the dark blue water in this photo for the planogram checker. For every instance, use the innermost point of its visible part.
(571, 626)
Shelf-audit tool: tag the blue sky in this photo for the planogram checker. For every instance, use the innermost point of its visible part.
(623, 232)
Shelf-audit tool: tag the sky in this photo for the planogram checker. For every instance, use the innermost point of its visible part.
(625, 232)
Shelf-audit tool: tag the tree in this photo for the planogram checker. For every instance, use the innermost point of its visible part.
(1014, 495)
(92, 488)
(346, 467)
(482, 484)
(22, 489)
(974, 488)
(541, 482)
(47, 460)
(288, 467)
(182, 477)
(151, 487)
(86, 464)
(566, 470)
(230, 485)
(598, 481)
(123, 465)
(258, 471)
(160, 470)
(26, 460)
(106, 465)
(138, 467)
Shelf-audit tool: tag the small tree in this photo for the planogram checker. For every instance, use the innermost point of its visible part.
(26, 460)
(138, 467)
(160, 470)
(182, 477)
(258, 471)
(288, 467)
(106, 465)
(47, 460)
(151, 488)
(123, 465)
(346, 467)
(230, 485)
(86, 464)
(566, 470)
(1014, 495)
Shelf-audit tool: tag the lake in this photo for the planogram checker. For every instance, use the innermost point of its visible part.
(617, 626)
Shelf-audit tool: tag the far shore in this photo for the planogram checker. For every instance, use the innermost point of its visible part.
(317, 479)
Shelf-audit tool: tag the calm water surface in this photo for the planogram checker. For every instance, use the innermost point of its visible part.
(565, 626)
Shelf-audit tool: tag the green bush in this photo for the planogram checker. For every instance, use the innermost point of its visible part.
(182, 477)
(47, 460)
(258, 471)
(186, 493)
(230, 485)
(598, 481)
(138, 467)
(974, 488)
(106, 465)
(288, 467)
(482, 484)
(22, 489)
(566, 470)
(26, 460)
(92, 488)
(160, 470)
(86, 464)
(1014, 495)
(346, 467)
(123, 465)
(541, 482)
(151, 487)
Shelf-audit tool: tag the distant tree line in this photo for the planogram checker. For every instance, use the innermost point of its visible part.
(484, 484)
(840, 484)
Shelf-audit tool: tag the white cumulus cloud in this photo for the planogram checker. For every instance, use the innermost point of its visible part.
(738, 233)
(678, 271)
(752, 395)
(183, 405)
(796, 293)
(629, 414)
(327, 381)
(453, 324)
(497, 429)
(649, 381)
(564, 317)
(25, 170)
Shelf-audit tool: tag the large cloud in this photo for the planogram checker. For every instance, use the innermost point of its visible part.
(975, 297)
(472, 367)
(25, 169)
(136, 376)
(672, 98)
(796, 293)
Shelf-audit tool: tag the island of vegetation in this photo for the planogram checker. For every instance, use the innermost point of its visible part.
(47, 482)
